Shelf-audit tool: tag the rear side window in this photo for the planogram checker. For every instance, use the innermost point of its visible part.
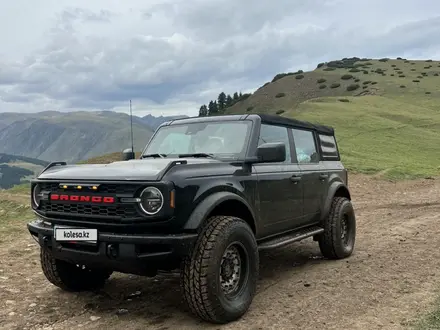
(328, 147)
(305, 146)
(271, 133)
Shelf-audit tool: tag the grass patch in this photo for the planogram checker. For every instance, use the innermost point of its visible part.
(374, 140)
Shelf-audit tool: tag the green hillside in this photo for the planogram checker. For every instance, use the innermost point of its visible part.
(15, 170)
(386, 112)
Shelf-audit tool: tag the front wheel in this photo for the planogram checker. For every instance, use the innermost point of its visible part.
(219, 278)
(337, 241)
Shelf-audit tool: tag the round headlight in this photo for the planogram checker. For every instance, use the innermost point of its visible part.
(151, 200)
(36, 195)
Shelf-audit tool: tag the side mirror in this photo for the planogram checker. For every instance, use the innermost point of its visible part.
(274, 152)
(128, 154)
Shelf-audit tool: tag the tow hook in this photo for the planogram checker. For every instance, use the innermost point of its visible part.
(112, 251)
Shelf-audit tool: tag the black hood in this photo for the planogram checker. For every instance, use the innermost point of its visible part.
(138, 169)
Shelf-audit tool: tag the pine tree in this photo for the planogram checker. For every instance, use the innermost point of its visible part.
(221, 101)
(229, 100)
(235, 96)
(203, 111)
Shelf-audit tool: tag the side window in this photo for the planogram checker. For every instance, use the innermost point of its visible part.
(270, 133)
(305, 146)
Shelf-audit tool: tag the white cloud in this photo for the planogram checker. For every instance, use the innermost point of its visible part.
(172, 56)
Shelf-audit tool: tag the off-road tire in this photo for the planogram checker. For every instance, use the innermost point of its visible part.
(70, 277)
(331, 244)
(200, 275)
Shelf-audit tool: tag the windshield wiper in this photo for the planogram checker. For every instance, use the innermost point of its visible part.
(199, 154)
(154, 155)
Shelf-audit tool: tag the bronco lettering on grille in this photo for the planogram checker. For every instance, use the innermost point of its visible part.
(80, 198)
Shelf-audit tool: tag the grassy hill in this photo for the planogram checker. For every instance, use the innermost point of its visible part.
(386, 112)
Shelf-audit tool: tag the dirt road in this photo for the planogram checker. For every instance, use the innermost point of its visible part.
(391, 278)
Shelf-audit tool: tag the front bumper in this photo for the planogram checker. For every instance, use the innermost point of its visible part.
(136, 254)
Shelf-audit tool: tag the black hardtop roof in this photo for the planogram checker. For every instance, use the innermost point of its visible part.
(265, 118)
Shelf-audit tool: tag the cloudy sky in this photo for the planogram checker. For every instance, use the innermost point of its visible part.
(171, 56)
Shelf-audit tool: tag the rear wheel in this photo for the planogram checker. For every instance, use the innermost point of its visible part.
(338, 239)
(219, 278)
(71, 277)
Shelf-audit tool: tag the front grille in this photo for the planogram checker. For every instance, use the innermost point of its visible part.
(74, 210)
(119, 211)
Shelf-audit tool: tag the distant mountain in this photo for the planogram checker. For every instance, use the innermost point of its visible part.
(154, 122)
(72, 136)
(17, 169)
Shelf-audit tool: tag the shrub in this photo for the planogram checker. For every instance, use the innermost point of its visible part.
(392, 75)
(427, 67)
(329, 69)
(402, 76)
(420, 77)
(399, 58)
(374, 83)
(299, 71)
(344, 100)
(400, 72)
(364, 86)
(357, 80)
(321, 80)
(436, 74)
(413, 63)
(346, 77)
(413, 69)
(335, 85)
(365, 72)
(393, 65)
(366, 82)
(300, 76)
(402, 86)
(250, 108)
(354, 70)
(281, 75)
(428, 61)
(279, 112)
(416, 81)
(352, 87)
(427, 92)
(384, 60)
(322, 86)
(406, 61)
(280, 95)
(320, 65)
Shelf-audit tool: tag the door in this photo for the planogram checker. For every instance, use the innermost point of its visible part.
(314, 176)
(279, 186)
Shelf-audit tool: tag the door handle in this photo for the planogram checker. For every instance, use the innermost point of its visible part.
(323, 176)
(295, 178)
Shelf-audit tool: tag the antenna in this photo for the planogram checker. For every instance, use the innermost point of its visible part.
(131, 128)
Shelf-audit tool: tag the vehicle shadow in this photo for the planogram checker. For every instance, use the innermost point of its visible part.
(158, 301)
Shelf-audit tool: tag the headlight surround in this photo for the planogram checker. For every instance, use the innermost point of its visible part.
(151, 200)
(36, 195)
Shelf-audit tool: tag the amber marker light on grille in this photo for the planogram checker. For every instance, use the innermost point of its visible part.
(64, 187)
(172, 199)
(94, 188)
(78, 187)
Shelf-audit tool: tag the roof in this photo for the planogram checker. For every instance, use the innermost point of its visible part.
(265, 118)
(278, 120)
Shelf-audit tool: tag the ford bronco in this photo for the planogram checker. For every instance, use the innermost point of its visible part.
(205, 196)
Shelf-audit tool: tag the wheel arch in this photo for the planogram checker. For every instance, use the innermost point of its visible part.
(221, 203)
(337, 189)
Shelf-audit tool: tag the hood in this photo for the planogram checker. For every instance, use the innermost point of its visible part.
(137, 169)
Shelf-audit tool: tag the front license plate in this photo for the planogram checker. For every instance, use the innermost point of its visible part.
(76, 235)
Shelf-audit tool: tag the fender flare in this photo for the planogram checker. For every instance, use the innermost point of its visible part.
(334, 187)
(205, 207)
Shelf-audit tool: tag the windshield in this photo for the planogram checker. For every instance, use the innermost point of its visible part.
(227, 139)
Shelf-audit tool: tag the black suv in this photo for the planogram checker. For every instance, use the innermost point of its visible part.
(206, 195)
